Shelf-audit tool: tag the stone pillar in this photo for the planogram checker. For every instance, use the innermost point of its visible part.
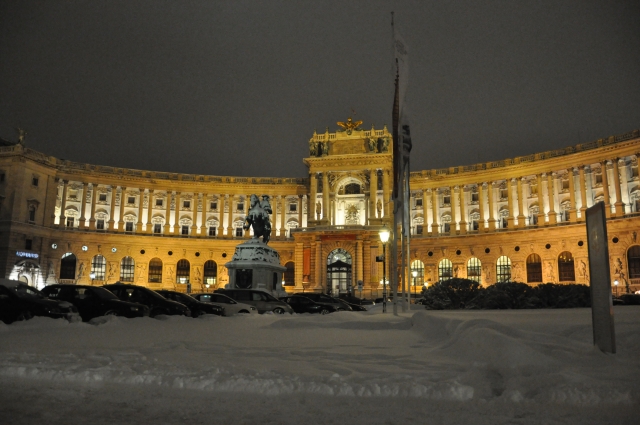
(572, 196)
(221, 202)
(92, 218)
(541, 204)
(359, 265)
(283, 215)
(463, 212)
(583, 192)
(616, 184)
(195, 202)
(605, 188)
(373, 193)
(521, 216)
(177, 229)
(150, 206)
(63, 203)
(434, 207)
(385, 193)
(83, 207)
(121, 215)
(203, 215)
(425, 212)
(313, 198)
(230, 208)
(167, 218)
(141, 209)
(553, 218)
(112, 209)
(454, 219)
(624, 186)
(49, 213)
(325, 198)
(300, 212)
(511, 219)
(492, 220)
(481, 186)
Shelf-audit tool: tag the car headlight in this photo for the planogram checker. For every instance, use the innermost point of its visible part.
(253, 308)
(134, 308)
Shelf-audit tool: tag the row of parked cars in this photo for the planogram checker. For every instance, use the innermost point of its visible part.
(19, 301)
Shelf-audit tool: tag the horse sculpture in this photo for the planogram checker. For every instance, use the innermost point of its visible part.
(258, 218)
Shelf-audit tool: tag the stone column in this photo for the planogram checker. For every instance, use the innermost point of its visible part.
(283, 215)
(624, 186)
(605, 188)
(325, 198)
(434, 207)
(583, 192)
(141, 209)
(616, 184)
(553, 218)
(112, 209)
(463, 212)
(521, 216)
(63, 204)
(385, 193)
(572, 196)
(121, 215)
(425, 212)
(452, 199)
(230, 208)
(492, 220)
(92, 218)
(541, 205)
(481, 186)
(203, 215)
(373, 193)
(83, 206)
(177, 229)
(167, 222)
(300, 212)
(221, 202)
(511, 219)
(150, 206)
(359, 265)
(195, 203)
(313, 197)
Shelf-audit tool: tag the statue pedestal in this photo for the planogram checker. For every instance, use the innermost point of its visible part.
(255, 265)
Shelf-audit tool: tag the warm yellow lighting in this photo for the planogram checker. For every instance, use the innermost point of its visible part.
(384, 234)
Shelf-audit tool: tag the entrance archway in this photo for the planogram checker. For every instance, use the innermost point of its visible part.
(338, 272)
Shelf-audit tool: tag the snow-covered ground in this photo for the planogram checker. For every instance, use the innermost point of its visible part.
(475, 367)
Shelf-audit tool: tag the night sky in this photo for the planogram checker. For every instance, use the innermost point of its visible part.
(238, 87)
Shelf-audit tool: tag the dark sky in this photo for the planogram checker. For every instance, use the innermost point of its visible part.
(238, 87)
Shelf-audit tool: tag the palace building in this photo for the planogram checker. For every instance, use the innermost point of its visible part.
(519, 219)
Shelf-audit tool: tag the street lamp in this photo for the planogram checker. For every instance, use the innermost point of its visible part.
(414, 272)
(92, 275)
(615, 282)
(384, 238)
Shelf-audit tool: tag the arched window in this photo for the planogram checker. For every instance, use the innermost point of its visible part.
(633, 262)
(127, 269)
(352, 189)
(445, 270)
(155, 270)
(418, 267)
(290, 274)
(99, 267)
(566, 270)
(183, 270)
(503, 269)
(68, 266)
(534, 268)
(210, 273)
(474, 269)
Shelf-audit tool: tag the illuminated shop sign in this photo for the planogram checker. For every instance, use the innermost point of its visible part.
(27, 254)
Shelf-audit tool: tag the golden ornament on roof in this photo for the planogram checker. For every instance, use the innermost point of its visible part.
(350, 125)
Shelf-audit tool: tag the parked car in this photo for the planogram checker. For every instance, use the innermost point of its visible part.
(197, 308)
(352, 299)
(19, 301)
(301, 304)
(354, 307)
(325, 299)
(93, 301)
(261, 300)
(230, 305)
(157, 303)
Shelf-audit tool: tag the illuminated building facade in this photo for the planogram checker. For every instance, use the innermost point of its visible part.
(519, 219)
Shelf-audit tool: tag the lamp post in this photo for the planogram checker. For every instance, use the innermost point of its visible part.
(414, 272)
(615, 282)
(384, 238)
(92, 275)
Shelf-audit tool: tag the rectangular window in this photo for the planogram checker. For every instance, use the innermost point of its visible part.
(293, 207)
(418, 202)
(447, 227)
(157, 228)
(474, 224)
(159, 202)
(35, 181)
(565, 184)
(475, 196)
(533, 188)
(28, 243)
(504, 193)
(446, 200)
(69, 221)
(100, 224)
(102, 197)
(213, 206)
(32, 214)
(419, 229)
(240, 206)
(599, 178)
(128, 226)
(186, 204)
(239, 232)
(212, 231)
(131, 200)
(185, 230)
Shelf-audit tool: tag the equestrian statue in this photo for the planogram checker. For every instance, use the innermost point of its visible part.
(258, 218)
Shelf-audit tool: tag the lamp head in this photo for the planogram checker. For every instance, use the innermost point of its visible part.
(615, 282)
(414, 273)
(384, 234)
(92, 276)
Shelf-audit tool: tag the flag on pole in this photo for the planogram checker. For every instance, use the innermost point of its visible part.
(401, 55)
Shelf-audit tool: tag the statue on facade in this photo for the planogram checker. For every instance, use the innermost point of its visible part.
(325, 148)
(372, 142)
(258, 218)
(385, 144)
(379, 208)
(318, 210)
(22, 133)
(313, 149)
